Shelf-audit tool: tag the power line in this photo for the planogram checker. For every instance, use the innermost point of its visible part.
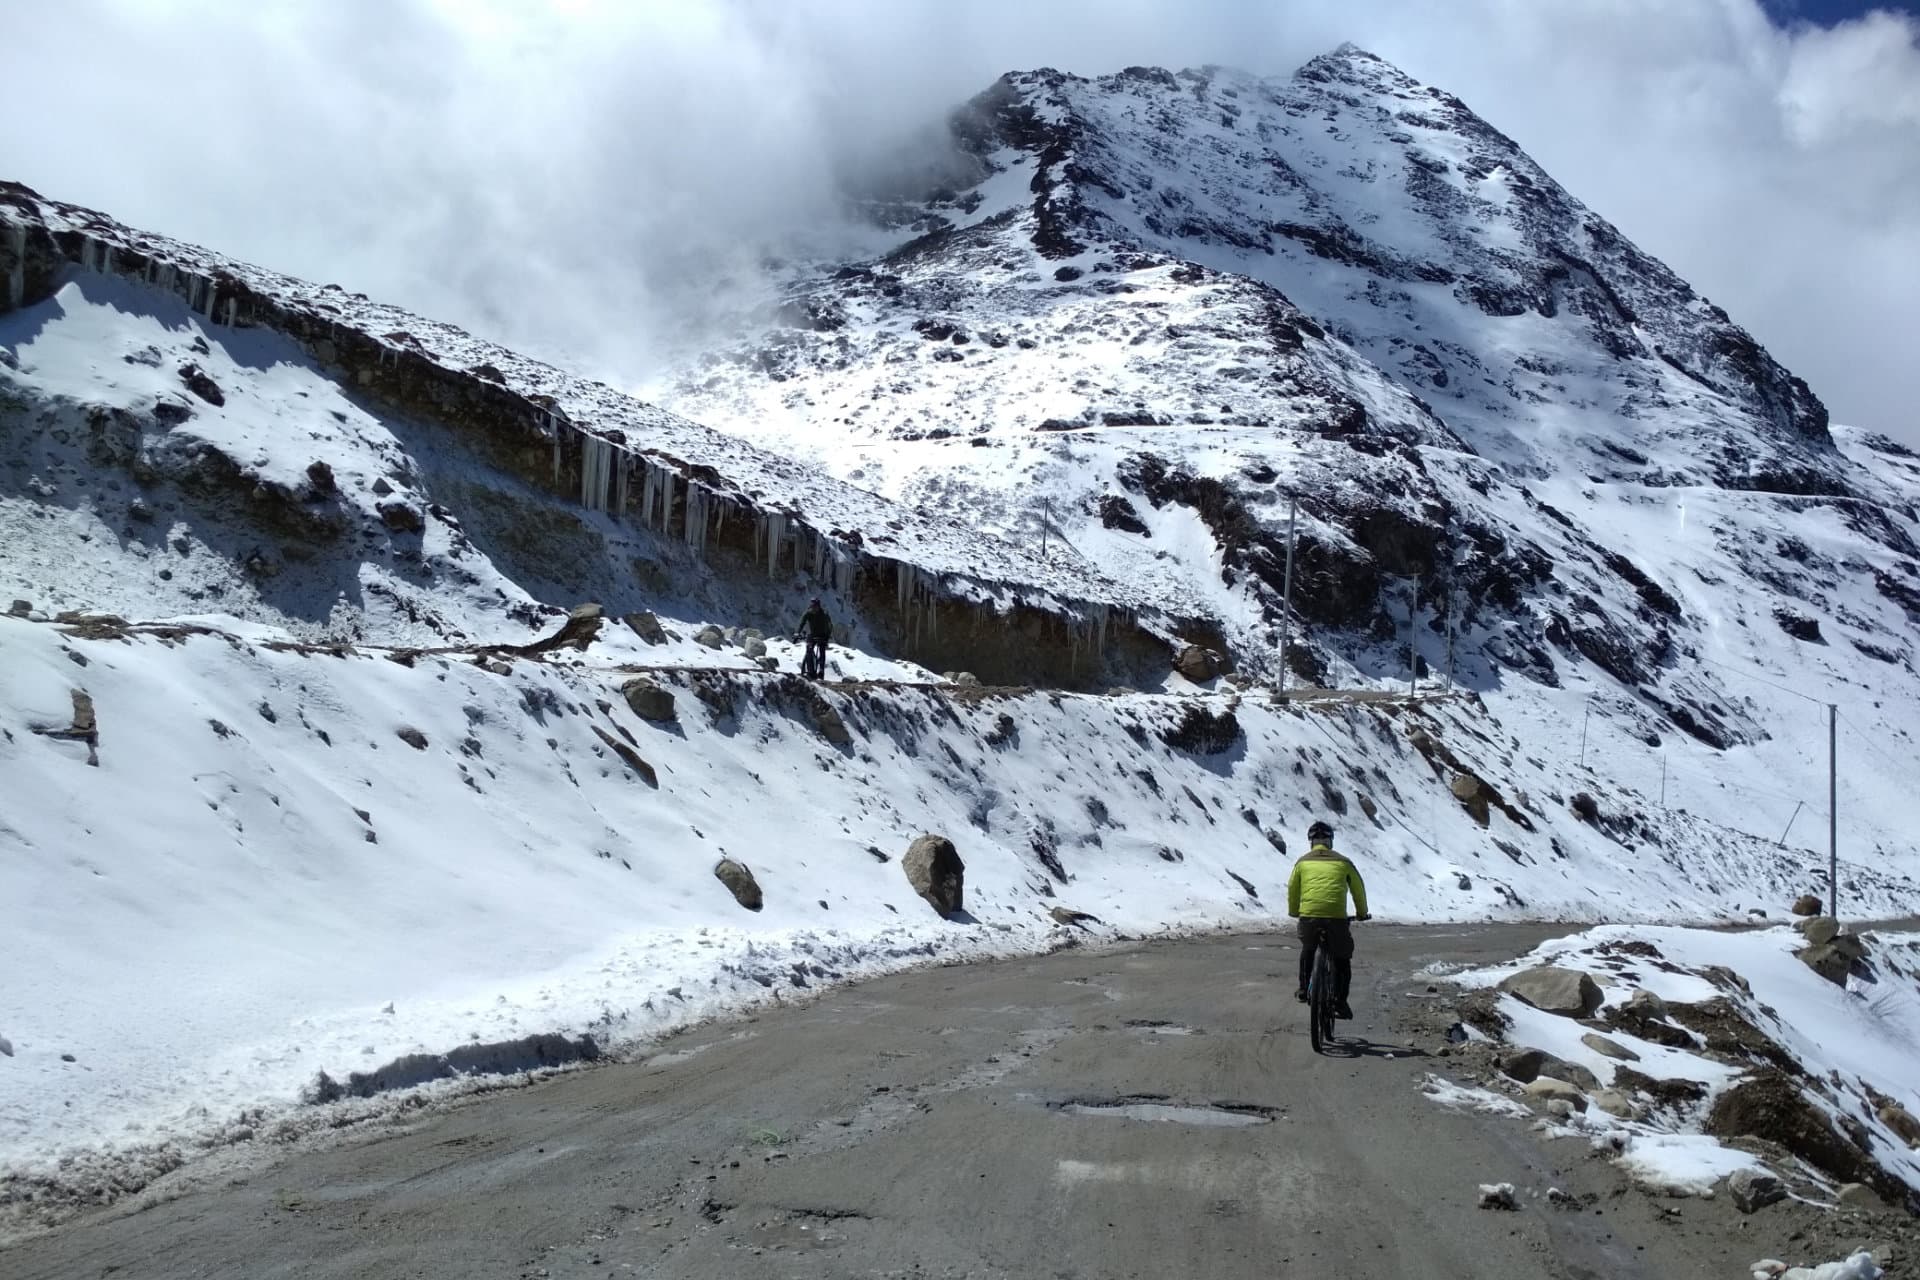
(1742, 671)
(1877, 749)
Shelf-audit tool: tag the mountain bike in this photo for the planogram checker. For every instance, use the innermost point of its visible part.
(1321, 997)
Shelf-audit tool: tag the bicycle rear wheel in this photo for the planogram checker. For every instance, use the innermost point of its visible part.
(1320, 1001)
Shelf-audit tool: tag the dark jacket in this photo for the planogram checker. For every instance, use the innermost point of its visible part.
(815, 624)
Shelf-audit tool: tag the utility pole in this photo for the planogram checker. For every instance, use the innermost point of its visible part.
(1586, 714)
(1413, 656)
(1833, 811)
(1045, 510)
(1663, 780)
(1286, 598)
(1449, 628)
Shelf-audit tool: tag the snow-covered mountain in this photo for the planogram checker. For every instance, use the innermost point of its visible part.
(1147, 310)
(1050, 437)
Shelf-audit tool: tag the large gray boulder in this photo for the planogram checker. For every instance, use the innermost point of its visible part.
(1551, 989)
(1819, 930)
(1806, 904)
(740, 883)
(648, 700)
(1197, 664)
(710, 636)
(1754, 1189)
(646, 626)
(936, 873)
(1608, 1048)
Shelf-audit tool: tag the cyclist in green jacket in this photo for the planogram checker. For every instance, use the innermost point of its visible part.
(1317, 898)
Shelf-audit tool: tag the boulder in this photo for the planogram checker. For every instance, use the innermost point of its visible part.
(1551, 989)
(966, 679)
(401, 517)
(1067, 915)
(1901, 1121)
(648, 700)
(767, 664)
(646, 626)
(20, 608)
(1197, 664)
(740, 883)
(1754, 1189)
(828, 721)
(412, 737)
(936, 873)
(1819, 930)
(1830, 961)
(753, 647)
(1472, 795)
(1860, 1198)
(1608, 1048)
(710, 636)
(1548, 1089)
(1807, 904)
(1528, 1065)
(1614, 1103)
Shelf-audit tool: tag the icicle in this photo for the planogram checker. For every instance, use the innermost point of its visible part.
(666, 499)
(620, 484)
(696, 527)
(596, 458)
(776, 534)
(106, 259)
(556, 450)
(646, 494)
(233, 311)
(213, 296)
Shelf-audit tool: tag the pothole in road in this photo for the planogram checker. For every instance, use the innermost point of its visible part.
(1216, 1115)
(1156, 1027)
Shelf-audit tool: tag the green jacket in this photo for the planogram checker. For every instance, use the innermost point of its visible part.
(1319, 883)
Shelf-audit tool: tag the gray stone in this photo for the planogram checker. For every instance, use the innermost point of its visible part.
(401, 517)
(936, 873)
(1607, 1048)
(648, 700)
(740, 883)
(1829, 961)
(1819, 930)
(1901, 1121)
(412, 737)
(828, 722)
(1548, 1089)
(768, 664)
(966, 679)
(1807, 904)
(1551, 989)
(753, 647)
(1471, 792)
(1646, 1003)
(380, 486)
(1754, 1189)
(20, 608)
(710, 636)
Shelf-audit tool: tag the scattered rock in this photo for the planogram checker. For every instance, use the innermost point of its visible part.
(1807, 904)
(1548, 1089)
(710, 636)
(381, 488)
(1608, 1048)
(1832, 961)
(629, 757)
(1550, 989)
(139, 510)
(740, 883)
(936, 873)
(646, 626)
(648, 700)
(6, 1047)
(412, 737)
(1585, 807)
(201, 385)
(1754, 1189)
(966, 679)
(753, 647)
(1067, 915)
(1768, 1105)
(401, 517)
(1497, 1195)
(1202, 732)
(1528, 1065)
(767, 664)
(20, 608)
(1197, 664)
(320, 477)
(1819, 930)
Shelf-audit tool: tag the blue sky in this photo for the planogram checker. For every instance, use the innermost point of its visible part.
(1828, 12)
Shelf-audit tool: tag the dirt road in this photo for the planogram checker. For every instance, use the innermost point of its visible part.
(1154, 1112)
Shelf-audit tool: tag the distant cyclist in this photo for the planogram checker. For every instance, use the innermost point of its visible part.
(816, 628)
(1317, 898)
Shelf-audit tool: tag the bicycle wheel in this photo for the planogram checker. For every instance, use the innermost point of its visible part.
(1320, 1001)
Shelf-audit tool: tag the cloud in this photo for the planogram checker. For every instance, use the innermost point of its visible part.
(599, 178)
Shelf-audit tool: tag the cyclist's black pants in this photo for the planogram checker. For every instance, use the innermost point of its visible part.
(1337, 937)
(815, 661)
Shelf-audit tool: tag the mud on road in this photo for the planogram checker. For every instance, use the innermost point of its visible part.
(1150, 1112)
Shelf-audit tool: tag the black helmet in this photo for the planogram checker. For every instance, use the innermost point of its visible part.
(1319, 832)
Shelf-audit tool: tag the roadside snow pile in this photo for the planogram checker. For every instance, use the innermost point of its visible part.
(1860, 1266)
(1700, 1057)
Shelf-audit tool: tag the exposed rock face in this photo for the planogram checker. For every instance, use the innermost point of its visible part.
(1472, 795)
(581, 629)
(1768, 1105)
(740, 883)
(401, 517)
(629, 757)
(1834, 959)
(648, 700)
(1568, 992)
(934, 869)
(1202, 731)
(827, 720)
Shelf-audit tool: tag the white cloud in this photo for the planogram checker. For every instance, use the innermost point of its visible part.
(590, 175)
